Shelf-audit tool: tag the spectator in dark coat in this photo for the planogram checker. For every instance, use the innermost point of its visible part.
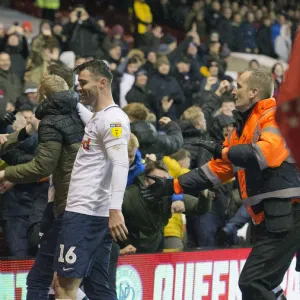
(226, 29)
(249, 34)
(151, 39)
(149, 139)
(193, 127)
(162, 12)
(83, 33)
(168, 95)
(10, 83)
(57, 29)
(189, 79)
(149, 66)
(259, 16)
(213, 16)
(264, 39)
(23, 204)
(196, 15)
(140, 93)
(237, 34)
(17, 48)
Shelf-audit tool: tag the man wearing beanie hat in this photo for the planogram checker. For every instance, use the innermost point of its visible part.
(27, 27)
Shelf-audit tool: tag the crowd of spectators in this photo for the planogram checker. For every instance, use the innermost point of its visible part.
(174, 92)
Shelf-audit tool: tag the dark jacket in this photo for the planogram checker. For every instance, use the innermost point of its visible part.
(152, 142)
(191, 135)
(146, 221)
(190, 85)
(60, 135)
(237, 35)
(149, 67)
(249, 35)
(166, 85)
(264, 41)
(83, 37)
(11, 84)
(24, 199)
(138, 94)
(226, 32)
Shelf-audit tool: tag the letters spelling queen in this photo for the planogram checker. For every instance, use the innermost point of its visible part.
(116, 129)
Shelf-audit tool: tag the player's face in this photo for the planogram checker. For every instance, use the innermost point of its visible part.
(89, 87)
(157, 173)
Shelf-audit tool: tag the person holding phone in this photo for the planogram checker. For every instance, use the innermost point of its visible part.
(81, 30)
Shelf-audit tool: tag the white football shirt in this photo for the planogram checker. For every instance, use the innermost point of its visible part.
(89, 190)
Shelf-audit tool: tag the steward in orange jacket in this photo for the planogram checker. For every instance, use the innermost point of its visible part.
(256, 154)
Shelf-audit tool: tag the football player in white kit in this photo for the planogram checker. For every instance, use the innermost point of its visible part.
(93, 213)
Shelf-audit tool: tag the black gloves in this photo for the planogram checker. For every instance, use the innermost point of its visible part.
(214, 148)
(160, 188)
(8, 118)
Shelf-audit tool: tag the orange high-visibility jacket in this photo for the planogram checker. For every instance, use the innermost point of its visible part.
(258, 158)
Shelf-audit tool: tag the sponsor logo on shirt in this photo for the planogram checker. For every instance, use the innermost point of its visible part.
(86, 144)
(116, 129)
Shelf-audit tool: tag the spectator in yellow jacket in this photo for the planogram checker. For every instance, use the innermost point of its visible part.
(142, 15)
(177, 164)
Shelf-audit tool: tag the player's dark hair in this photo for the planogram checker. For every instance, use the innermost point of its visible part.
(97, 67)
(64, 72)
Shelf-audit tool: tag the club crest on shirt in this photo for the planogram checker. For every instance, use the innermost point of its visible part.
(116, 129)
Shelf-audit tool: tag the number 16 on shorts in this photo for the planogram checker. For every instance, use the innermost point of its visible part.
(70, 257)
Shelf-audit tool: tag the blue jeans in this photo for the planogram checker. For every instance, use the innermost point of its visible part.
(240, 218)
(202, 230)
(40, 276)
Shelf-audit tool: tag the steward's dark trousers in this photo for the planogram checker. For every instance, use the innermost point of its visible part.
(270, 258)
